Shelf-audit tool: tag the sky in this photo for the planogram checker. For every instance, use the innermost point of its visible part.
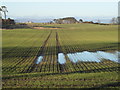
(60, 0)
(45, 9)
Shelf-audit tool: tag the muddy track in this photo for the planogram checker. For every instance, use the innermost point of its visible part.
(59, 50)
(40, 53)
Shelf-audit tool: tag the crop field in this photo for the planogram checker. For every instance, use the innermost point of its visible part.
(31, 58)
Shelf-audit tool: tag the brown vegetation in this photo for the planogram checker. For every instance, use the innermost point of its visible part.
(44, 28)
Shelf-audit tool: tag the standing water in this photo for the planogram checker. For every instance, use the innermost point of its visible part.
(93, 56)
(39, 59)
(61, 58)
(86, 56)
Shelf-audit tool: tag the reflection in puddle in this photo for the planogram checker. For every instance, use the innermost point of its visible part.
(73, 57)
(93, 56)
(39, 59)
(109, 56)
(61, 58)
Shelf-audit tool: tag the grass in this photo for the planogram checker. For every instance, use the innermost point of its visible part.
(21, 47)
(75, 80)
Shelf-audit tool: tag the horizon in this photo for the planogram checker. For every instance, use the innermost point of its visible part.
(48, 19)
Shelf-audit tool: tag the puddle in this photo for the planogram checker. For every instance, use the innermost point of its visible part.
(39, 59)
(73, 57)
(93, 56)
(110, 56)
(86, 56)
(61, 58)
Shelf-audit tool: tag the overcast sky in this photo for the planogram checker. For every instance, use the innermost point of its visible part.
(61, 9)
(60, 0)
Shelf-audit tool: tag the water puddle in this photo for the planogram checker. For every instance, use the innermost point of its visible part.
(73, 57)
(109, 56)
(61, 58)
(93, 56)
(86, 56)
(39, 59)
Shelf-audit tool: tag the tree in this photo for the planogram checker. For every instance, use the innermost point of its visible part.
(65, 20)
(0, 13)
(4, 10)
(98, 21)
(81, 21)
(114, 20)
(118, 20)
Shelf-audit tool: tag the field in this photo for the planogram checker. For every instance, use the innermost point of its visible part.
(22, 47)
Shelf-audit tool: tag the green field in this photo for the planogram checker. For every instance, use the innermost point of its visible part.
(21, 47)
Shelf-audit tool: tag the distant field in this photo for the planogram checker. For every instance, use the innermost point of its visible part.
(21, 47)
